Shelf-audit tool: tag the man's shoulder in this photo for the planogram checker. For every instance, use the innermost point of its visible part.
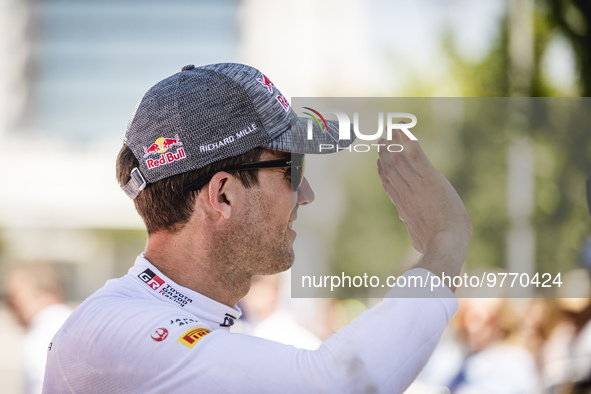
(122, 302)
(115, 295)
(121, 319)
(125, 337)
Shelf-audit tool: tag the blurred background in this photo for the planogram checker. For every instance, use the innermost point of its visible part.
(71, 73)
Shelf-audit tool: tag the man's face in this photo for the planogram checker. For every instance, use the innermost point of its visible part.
(268, 220)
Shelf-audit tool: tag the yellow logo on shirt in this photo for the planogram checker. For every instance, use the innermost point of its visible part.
(194, 335)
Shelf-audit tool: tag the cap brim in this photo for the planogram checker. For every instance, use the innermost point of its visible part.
(295, 139)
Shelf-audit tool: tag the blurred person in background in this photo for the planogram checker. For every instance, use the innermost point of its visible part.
(566, 356)
(265, 318)
(35, 297)
(487, 352)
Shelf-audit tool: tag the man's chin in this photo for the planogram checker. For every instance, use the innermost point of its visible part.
(280, 263)
(288, 262)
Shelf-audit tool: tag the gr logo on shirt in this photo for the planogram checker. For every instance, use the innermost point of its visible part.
(151, 279)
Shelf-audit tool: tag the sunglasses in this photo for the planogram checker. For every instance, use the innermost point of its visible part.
(297, 162)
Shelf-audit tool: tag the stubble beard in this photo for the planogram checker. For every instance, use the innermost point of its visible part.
(256, 247)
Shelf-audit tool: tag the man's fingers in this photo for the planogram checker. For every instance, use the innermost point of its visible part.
(415, 155)
(390, 171)
(392, 193)
(401, 159)
(388, 187)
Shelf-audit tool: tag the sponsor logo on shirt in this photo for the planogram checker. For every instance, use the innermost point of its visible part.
(160, 334)
(194, 335)
(172, 294)
(182, 321)
(228, 321)
(151, 279)
(166, 290)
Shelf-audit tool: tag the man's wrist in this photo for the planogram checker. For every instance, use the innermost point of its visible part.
(445, 253)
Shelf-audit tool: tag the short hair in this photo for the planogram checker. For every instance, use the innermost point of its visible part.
(165, 205)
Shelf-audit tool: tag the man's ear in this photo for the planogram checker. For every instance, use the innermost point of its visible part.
(221, 194)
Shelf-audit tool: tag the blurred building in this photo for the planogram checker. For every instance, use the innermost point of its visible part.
(71, 73)
(74, 72)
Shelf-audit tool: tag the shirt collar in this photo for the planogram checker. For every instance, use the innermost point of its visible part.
(166, 290)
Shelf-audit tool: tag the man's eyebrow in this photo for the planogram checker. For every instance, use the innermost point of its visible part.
(277, 154)
(282, 155)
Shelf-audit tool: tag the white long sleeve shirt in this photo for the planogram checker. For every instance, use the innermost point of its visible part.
(143, 333)
(43, 327)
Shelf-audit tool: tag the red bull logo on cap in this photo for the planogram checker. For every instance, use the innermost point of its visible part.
(160, 148)
(266, 82)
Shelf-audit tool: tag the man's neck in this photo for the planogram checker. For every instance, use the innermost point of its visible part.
(198, 265)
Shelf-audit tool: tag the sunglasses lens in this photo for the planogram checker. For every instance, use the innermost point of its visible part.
(303, 170)
(297, 171)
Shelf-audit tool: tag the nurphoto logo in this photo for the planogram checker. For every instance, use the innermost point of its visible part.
(394, 121)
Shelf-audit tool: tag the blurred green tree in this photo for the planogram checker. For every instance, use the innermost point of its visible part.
(561, 143)
(573, 19)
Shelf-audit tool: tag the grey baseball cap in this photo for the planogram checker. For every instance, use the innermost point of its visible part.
(205, 114)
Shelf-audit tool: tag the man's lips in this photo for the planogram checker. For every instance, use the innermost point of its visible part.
(293, 217)
(291, 220)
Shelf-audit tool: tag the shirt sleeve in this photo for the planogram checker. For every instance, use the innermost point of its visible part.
(381, 351)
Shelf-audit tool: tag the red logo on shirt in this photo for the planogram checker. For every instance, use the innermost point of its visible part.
(160, 334)
(194, 335)
(151, 279)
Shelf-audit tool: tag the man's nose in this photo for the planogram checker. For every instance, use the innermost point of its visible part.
(305, 193)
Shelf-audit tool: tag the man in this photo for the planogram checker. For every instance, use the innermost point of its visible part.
(34, 296)
(219, 199)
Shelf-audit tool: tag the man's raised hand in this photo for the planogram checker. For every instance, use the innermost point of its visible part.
(427, 203)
